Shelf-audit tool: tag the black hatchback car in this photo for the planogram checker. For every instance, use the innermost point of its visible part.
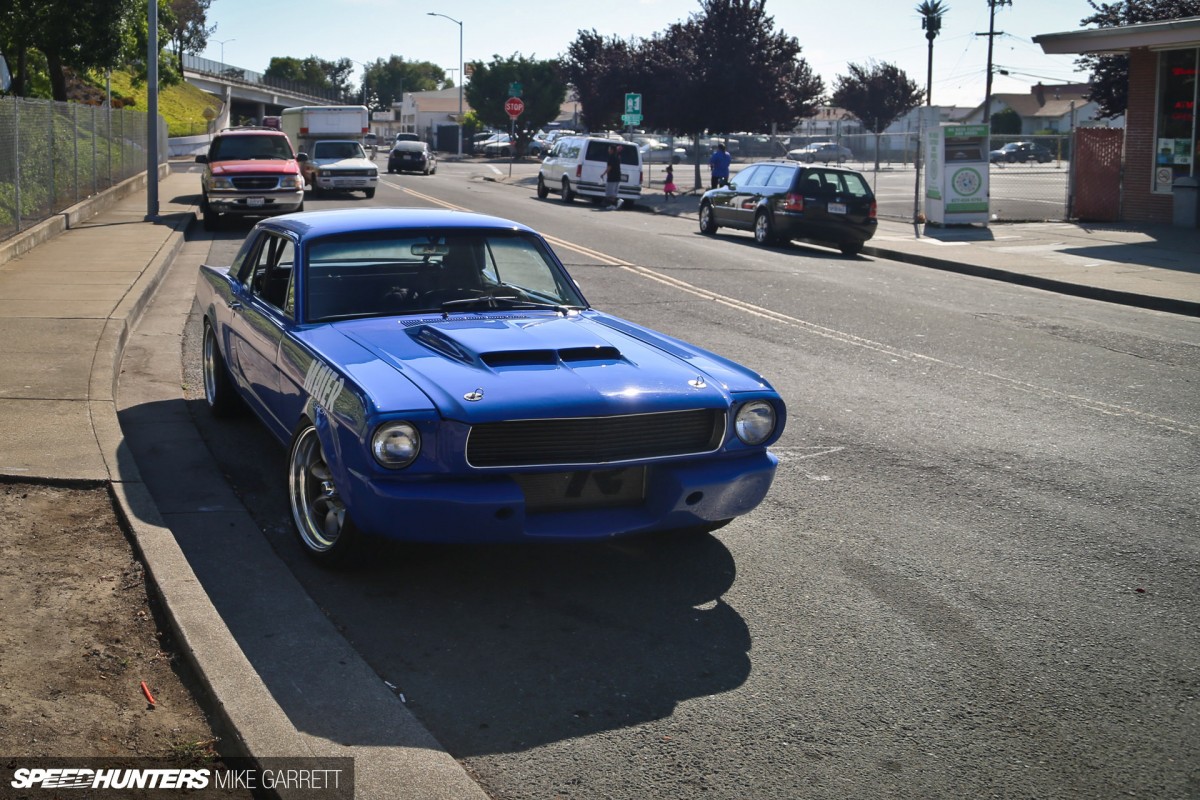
(781, 201)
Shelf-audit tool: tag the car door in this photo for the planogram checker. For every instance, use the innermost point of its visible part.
(257, 329)
(737, 207)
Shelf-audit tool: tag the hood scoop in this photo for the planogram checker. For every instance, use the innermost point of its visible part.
(572, 355)
(505, 343)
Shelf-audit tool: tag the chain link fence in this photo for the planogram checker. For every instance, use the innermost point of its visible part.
(53, 155)
(1030, 185)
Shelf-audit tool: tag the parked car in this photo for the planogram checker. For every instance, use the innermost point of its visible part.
(412, 157)
(1015, 152)
(825, 152)
(341, 165)
(490, 145)
(499, 146)
(656, 151)
(250, 172)
(782, 200)
(575, 168)
(437, 376)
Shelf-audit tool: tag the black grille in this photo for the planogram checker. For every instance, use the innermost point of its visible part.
(594, 440)
(351, 173)
(256, 183)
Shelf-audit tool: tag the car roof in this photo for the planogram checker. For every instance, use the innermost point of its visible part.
(309, 224)
(250, 131)
(408, 144)
(798, 165)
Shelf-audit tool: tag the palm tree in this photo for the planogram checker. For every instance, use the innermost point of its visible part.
(931, 12)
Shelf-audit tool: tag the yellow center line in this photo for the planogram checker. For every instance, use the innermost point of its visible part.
(604, 259)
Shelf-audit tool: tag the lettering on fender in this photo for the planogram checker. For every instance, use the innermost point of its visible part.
(323, 384)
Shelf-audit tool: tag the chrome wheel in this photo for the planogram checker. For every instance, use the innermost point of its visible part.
(318, 511)
(218, 386)
(763, 234)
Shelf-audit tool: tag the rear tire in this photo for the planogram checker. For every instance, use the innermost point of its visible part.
(851, 248)
(219, 392)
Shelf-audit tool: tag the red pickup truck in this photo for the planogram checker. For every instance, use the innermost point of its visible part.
(250, 172)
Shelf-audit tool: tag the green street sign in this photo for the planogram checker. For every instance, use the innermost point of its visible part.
(514, 89)
(633, 105)
(631, 119)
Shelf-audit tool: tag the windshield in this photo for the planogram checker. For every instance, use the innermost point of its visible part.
(338, 150)
(420, 272)
(237, 148)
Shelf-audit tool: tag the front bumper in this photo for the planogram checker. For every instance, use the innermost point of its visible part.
(492, 508)
(255, 203)
(345, 182)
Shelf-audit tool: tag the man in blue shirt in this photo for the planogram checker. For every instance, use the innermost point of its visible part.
(719, 164)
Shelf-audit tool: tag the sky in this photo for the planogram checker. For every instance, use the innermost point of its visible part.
(832, 34)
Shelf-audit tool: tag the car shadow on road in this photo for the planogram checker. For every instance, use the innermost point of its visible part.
(495, 648)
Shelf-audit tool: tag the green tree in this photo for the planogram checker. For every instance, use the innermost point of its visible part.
(70, 34)
(877, 95)
(543, 91)
(1006, 123)
(314, 72)
(189, 26)
(137, 41)
(387, 81)
(599, 69)
(1110, 74)
(931, 12)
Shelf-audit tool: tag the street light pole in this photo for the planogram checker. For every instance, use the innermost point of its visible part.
(222, 43)
(457, 22)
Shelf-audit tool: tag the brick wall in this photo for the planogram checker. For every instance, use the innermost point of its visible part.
(1139, 202)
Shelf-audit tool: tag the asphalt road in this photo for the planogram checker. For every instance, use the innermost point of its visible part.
(976, 574)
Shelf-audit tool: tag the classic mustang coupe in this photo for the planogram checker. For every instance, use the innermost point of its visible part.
(438, 376)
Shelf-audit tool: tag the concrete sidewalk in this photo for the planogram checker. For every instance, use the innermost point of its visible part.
(68, 309)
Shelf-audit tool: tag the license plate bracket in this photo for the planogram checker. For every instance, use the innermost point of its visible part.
(583, 489)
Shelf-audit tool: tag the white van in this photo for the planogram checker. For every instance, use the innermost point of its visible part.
(576, 167)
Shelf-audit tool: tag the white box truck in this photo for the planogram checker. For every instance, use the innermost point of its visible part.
(307, 124)
(338, 130)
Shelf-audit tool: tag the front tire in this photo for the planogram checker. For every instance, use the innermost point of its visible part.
(708, 220)
(326, 531)
(212, 220)
(542, 191)
(369, 193)
(219, 391)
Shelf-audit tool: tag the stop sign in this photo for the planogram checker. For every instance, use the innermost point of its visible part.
(514, 106)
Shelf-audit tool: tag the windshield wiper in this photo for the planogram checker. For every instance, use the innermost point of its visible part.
(508, 301)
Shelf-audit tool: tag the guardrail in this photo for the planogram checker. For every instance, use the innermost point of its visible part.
(54, 155)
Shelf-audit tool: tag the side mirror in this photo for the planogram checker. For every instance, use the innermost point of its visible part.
(302, 157)
(202, 159)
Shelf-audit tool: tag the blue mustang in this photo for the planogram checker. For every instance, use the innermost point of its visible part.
(438, 376)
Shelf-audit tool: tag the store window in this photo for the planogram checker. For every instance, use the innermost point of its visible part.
(1176, 135)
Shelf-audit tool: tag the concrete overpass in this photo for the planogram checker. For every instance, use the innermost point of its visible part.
(247, 94)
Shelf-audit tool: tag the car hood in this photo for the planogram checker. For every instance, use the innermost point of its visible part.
(255, 165)
(343, 163)
(534, 366)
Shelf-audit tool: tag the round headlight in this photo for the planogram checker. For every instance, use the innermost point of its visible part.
(755, 422)
(395, 444)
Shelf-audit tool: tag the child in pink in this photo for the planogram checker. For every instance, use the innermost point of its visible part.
(669, 185)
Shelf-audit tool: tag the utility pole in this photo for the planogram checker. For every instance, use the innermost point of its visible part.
(991, 34)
